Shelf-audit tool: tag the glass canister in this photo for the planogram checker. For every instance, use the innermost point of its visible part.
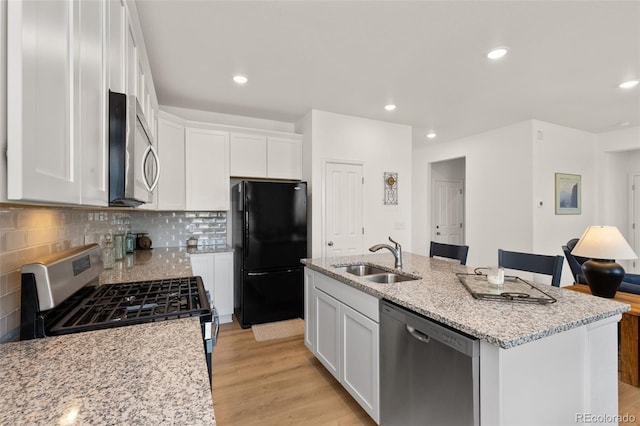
(107, 253)
(118, 246)
(129, 243)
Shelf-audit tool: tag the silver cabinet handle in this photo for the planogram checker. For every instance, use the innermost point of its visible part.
(330, 243)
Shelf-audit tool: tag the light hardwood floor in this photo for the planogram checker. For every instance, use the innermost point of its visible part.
(279, 382)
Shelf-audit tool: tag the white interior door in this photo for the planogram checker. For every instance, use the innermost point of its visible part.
(448, 211)
(343, 230)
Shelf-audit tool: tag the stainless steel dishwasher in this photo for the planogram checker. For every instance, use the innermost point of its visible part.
(429, 373)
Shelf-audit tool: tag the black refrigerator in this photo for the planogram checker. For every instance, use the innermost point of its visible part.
(269, 234)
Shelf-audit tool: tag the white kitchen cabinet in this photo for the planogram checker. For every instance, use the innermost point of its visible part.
(223, 285)
(207, 169)
(248, 155)
(346, 327)
(284, 158)
(171, 149)
(360, 363)
(117, 37)
(216, 271)
(309, 311)
(327, 332)
(56, 78)
(265, 156)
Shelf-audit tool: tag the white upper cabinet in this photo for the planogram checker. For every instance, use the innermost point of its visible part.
(56, 80)
(91, 112)
(265, 156)
(207, 169)
(117, 26)
(62, 58)
(171, 147)
(248, 155)
(284, 158)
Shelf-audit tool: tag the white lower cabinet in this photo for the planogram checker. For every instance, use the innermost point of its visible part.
(309, 311)
(216, 271)
(343, 332)
(328, 332)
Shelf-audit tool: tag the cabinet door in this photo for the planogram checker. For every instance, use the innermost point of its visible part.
(248, 155)
(309, 311)
(117, 34)
(360, 363)
(284, 158)
(223, 286)
(43, 159)
(202, 265)
(171, 149)
(207, 169)
(328, 332)
(90, 117)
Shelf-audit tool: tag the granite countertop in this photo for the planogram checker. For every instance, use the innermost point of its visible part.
(147, 374)
(157, 263)
(440, 295)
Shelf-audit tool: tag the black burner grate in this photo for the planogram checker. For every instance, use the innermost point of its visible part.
(112, 305)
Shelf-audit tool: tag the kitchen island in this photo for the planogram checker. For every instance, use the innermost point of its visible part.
(539, 364)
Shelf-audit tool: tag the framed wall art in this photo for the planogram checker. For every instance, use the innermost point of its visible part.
(568, 194)
(390, 188)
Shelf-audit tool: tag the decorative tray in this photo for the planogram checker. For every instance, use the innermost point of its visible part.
(514, 289)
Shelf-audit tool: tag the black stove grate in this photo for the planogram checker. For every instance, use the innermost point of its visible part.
(113, 305)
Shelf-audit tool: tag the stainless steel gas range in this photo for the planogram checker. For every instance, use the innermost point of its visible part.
(61, 295)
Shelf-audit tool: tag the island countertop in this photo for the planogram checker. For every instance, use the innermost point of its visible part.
(152, 373)
(440, 295)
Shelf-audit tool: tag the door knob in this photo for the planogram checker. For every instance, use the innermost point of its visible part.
(330, 243)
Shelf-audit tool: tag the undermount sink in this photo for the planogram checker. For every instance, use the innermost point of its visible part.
(376, 274)
(361, 269)
(388, 277)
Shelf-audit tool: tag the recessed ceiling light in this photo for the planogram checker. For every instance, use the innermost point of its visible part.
(390, 107)
(629, 84)
(240, 79)
(497, 53)
(431, 135)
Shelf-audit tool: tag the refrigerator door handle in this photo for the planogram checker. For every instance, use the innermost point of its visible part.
(256, 274)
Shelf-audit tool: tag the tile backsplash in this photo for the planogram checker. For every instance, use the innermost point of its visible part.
(29, 233)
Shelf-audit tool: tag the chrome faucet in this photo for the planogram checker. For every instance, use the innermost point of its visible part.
(397, 251)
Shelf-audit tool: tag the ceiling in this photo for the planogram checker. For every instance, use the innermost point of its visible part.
(565, 60)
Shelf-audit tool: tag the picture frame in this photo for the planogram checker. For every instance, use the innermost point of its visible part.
(391, 188)
(568, 189)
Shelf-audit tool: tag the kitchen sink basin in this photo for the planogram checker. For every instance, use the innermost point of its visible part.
(361, 269)
(388, 277)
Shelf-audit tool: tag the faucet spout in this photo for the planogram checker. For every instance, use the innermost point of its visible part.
(396, 251)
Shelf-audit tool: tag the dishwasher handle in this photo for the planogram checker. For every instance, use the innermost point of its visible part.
(418, 334)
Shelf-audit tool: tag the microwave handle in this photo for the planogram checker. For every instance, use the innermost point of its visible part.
(157, 160)
(151, 150)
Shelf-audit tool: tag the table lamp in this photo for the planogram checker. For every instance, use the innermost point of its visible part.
(603, 245)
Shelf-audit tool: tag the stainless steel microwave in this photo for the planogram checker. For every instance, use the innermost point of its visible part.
(134, 166)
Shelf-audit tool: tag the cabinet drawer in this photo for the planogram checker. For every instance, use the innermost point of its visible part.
(362, 302)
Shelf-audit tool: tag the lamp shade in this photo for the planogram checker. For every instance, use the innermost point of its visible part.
(603, 242)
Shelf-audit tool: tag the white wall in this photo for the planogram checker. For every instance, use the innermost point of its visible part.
(618, 157)
(381, 147)
(499, 190)
(559, 149)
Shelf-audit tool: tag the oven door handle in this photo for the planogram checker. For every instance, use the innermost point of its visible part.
(216, 322)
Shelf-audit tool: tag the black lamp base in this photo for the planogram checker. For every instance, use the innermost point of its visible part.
(603, 276)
